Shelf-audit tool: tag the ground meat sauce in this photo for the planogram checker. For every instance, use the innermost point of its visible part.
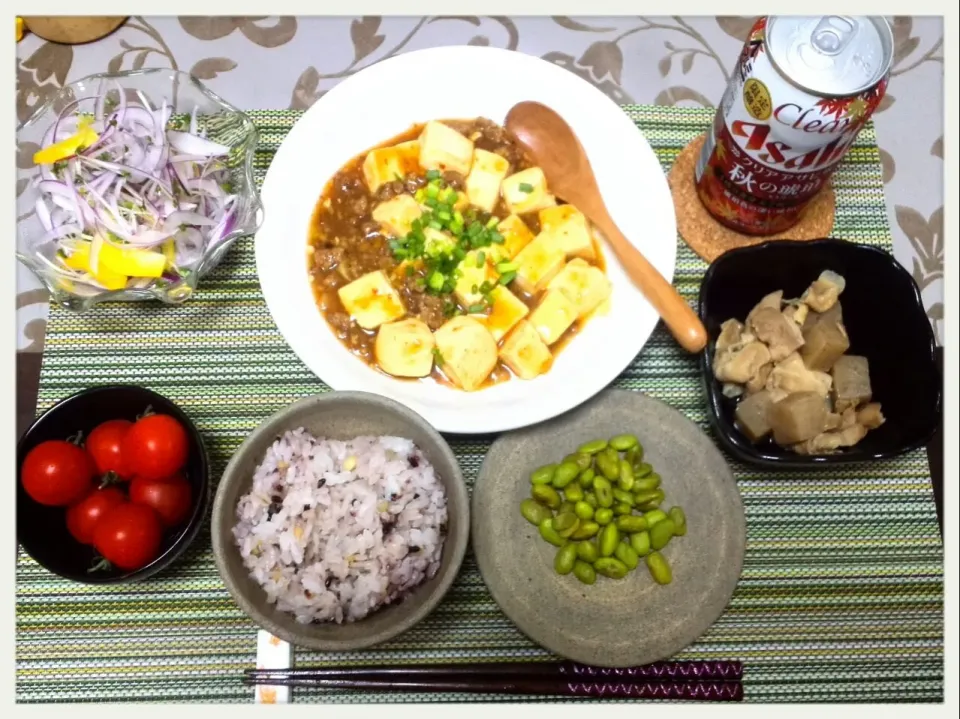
(347, 243)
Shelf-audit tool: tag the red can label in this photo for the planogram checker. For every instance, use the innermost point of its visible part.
(773, 145)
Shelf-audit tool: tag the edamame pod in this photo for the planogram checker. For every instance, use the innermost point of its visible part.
(586, 478)
(624, 552)
(679, 521)
(588, 552)
(565, 474)
(585, 530)
(583, 510)
(584, 572)
(566, 524)
(609, 539)
(626, 479)
(573, 492)
(604, 492)
(543, 475)
(659, 568)
(550, 534)
(631, 523)
(590, 448)
(660, 534)
(640, 542)
(624, 442)
(534, 512)
(611, 567)
(546, 495)
(565, 558)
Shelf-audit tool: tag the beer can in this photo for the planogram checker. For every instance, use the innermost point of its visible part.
(802, 90)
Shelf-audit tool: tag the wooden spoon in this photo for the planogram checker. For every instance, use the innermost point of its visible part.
(558, 152)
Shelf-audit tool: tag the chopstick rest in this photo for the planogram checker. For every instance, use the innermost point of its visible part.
(273, 654)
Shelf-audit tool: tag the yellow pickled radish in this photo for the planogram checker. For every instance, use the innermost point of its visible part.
(80, 260)
(130, 261)
(83, 137)
(170, 253)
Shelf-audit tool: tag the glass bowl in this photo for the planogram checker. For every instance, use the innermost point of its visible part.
(223, 123)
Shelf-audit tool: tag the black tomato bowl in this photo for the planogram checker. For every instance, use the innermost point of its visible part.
(42, 531)
(885, 319)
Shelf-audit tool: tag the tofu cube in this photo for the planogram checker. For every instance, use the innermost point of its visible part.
(386, 164)
(507, 309)
(516, 236)
(537, 264)
(405, 348)
(526, 191)
(553, 316)
(473, 273)
(483, 182)
(371, 300)
(467, 352)
(525, 353)
(437, 242)
(443, 148)
(395, 216)
(583, 284)
(569, 230)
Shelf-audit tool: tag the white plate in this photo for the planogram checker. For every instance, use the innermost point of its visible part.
(464, 82)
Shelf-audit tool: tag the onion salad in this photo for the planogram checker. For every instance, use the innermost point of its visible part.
(127, 197)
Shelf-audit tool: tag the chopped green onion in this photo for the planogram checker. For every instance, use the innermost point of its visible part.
(433, 175)
(507, 277)
(435, 225)
(476, 309)
(437, 357)
(481, 258)
(496, 238)
(493, 222)
(504, 267)
(435, 282)
(525, 187)
(444, 216)
(432, 191)
(430, 202)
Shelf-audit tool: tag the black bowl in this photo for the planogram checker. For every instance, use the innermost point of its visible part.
(884, 316)
(42, 531)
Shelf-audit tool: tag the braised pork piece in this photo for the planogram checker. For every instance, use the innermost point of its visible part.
(443, 254)
(788, 367)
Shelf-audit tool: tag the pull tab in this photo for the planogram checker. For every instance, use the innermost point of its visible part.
(833, 33)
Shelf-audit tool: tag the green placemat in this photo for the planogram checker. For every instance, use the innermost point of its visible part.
(841, 597)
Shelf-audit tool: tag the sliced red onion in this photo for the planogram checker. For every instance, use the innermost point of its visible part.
(193, 145)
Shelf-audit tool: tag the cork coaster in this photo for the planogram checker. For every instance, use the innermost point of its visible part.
(73, 30)
(708, 238)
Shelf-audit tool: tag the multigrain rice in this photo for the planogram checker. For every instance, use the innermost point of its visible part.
(333, 530)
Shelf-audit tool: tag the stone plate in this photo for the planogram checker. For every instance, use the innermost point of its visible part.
(632, 621)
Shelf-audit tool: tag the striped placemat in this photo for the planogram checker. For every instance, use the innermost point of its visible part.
(841, 597)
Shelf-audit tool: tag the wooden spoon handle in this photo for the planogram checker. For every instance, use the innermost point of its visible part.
(676, 314)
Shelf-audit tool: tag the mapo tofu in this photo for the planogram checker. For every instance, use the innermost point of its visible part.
(787, 366)
(444, 255)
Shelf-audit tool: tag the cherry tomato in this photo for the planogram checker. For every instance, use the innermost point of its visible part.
(57, 473)
(170, 497)
(83, 517)
(155, 447)
(128, 536)
(104, 445)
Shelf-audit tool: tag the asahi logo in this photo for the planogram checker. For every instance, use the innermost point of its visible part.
(758, 140)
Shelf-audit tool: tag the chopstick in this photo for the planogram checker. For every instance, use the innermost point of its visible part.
(683, 671)
(703, 681)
